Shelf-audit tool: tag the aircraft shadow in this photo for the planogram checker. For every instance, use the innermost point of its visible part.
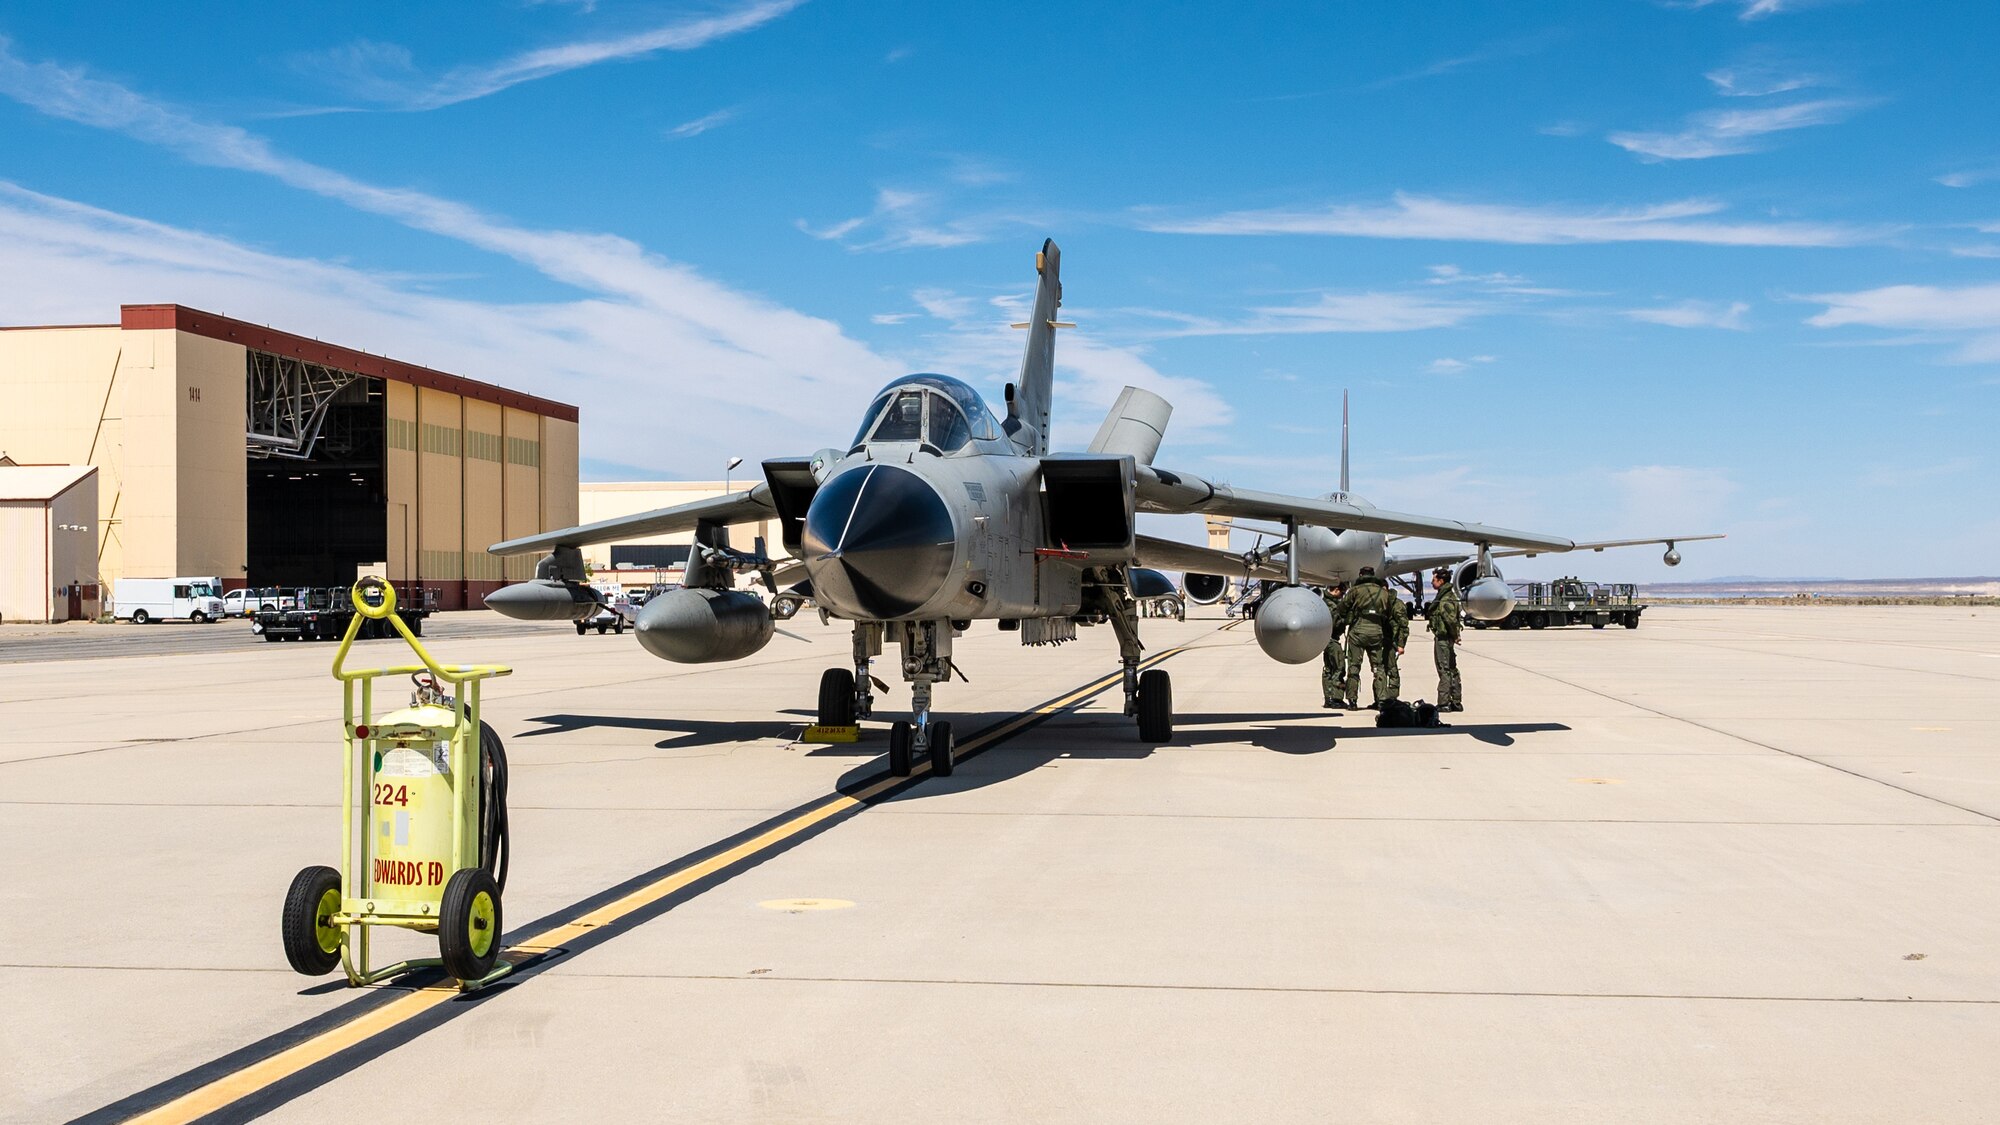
(690, 732)
(1111, 737)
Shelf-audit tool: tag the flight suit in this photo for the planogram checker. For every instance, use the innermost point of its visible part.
(1333, 670)
(1377, 624)
(1445, 627)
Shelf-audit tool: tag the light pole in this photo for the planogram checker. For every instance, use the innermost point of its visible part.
(728, 469)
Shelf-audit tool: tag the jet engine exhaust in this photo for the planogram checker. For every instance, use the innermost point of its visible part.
(696, 626)
(1204, 589)
(1293, 625)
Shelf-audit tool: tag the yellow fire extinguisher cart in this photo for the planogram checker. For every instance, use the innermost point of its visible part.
(421, 844)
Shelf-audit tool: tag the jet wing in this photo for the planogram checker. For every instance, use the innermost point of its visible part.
(1666, 541)
(1163, 491)
(739, 507)
(1169, 554)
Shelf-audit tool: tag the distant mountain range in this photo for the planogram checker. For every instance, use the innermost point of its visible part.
(1753, 586)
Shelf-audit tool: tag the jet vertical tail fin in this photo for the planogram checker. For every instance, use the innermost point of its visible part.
(1028, 407)
(1343, 441)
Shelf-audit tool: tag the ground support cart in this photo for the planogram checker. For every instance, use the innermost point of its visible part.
(422, 817)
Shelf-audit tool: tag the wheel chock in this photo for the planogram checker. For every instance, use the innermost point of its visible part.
(818, 733)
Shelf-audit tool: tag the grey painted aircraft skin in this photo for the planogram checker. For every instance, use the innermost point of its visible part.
(939, 514)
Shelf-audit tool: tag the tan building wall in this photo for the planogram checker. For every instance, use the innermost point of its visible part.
(48, 546)
(157, 404)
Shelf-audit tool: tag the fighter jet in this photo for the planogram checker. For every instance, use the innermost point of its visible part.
(1329, 555)
(939, 514)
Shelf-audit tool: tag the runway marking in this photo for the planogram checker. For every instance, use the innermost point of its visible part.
(1741, 738)
(797, 905)
(256, 1079)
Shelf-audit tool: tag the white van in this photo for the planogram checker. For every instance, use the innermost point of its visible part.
(140, 600)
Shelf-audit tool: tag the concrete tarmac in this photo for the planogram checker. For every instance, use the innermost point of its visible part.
(1736, 865)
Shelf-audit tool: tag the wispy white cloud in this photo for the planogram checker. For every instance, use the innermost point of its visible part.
(1421, 217)
(718, 329)
(1746, 10)
(702, 124)
(1694, 314)
(1450, 366)
(1966, 315)
(1330, 312)
(1516, 47)
(387, 76)
(1732, 132)
(750, 369)
(1969, 177)
(1758, 81)
(970, 336)
(903, 220)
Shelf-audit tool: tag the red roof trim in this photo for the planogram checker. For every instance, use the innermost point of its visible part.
(271, 340)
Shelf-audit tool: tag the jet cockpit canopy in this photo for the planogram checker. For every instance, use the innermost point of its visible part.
(938, 411)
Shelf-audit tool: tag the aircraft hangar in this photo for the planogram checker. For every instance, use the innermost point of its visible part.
(263, 458)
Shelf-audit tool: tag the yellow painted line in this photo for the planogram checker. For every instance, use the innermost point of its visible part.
(220, 1093)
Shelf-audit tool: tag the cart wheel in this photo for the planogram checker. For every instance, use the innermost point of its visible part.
(581, 628)
(469, 924)
(618, 626)
(312, 941)
(601, 627)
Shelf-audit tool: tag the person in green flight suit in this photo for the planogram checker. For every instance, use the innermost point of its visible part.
(1446, 628)
(1377, 626)
(1333, 671)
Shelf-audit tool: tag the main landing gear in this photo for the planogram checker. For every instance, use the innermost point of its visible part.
(1149, 695)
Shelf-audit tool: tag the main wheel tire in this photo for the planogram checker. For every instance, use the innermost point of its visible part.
(836, 698)
(312, 941)
(1156, 706)
(941, 748)
(140, 617)
(469, 923)
(899, 748)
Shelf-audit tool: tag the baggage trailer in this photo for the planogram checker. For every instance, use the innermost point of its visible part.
(1569, 601)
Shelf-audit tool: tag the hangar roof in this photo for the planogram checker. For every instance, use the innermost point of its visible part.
(40, 482)
(332, 355)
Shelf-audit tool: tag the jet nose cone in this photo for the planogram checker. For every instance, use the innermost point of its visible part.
(878, 542)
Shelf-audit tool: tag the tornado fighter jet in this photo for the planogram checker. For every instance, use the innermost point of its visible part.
(939, 513)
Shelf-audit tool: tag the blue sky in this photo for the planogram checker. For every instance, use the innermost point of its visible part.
(1599, 268)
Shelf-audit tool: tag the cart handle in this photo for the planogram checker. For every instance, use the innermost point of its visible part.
(375, 598)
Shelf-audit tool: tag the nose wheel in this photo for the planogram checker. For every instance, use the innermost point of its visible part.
(1154, 705)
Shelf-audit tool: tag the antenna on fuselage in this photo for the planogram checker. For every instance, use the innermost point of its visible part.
(1343, 443)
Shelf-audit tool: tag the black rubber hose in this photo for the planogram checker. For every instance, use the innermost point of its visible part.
(493, 844)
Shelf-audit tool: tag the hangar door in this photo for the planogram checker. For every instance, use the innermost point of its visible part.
(317, 503)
